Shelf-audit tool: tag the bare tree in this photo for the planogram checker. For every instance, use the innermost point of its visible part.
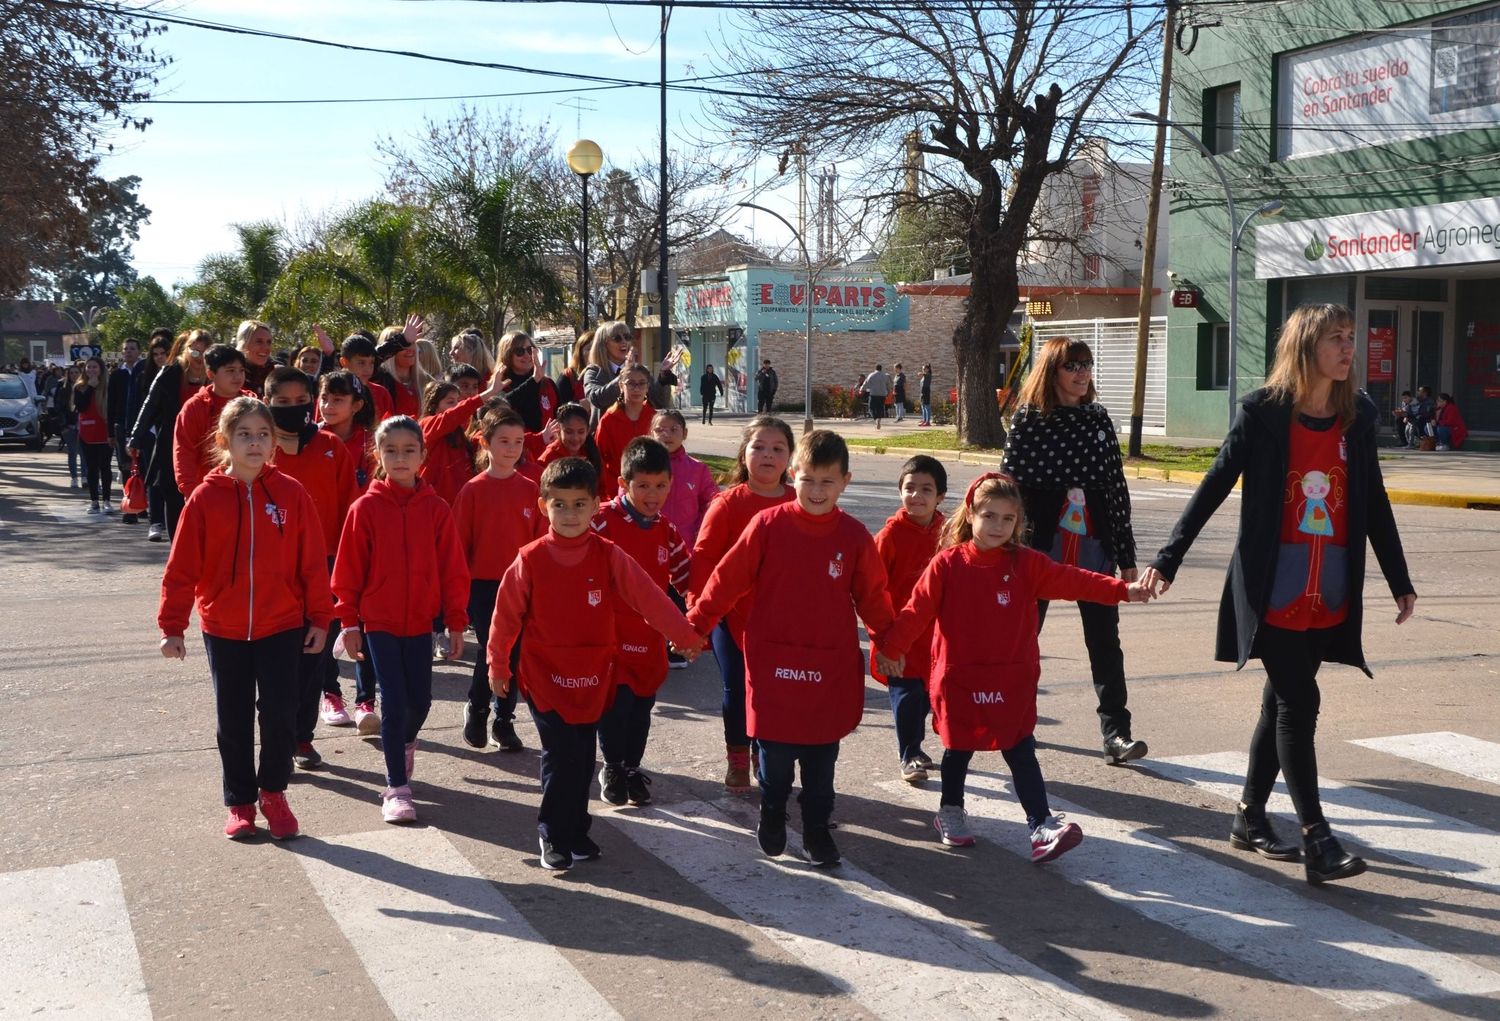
(997, 96)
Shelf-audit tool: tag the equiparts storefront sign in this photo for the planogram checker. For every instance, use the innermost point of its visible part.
(1450, 234)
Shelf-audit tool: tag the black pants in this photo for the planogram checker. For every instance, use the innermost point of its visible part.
(1025, 777)
(250, 676)
(707, 416)
(1101, 636)
(763, 401)
(172, 502)
(96, 466)
(482, 596)
(1283, 739)
(909, 708)
(625, 727)
(776, 761)
(567, 770)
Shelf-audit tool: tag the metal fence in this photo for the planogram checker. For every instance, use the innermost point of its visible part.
(1113, 344)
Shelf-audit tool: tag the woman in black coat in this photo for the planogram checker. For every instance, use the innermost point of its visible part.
(1305, 448)
(183, 375)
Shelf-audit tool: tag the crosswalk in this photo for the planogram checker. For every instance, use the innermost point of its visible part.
(431, 926)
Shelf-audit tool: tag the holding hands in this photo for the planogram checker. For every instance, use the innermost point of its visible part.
(1152, 579)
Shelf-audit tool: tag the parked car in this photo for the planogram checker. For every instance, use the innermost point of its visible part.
(20, 418)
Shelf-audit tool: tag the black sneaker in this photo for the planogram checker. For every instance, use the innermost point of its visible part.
(637, 787)
(1120, 750)
(772, 830)
(475, 718)
(676, 661)
(584, 848)
(612, 785)
(926, 762)
(553, 859)
(129, 519)
(306, 756)
(504, 733)
(817, 841)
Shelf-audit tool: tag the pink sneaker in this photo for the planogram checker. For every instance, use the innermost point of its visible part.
(279, 818)
(1053, 837)
(366, 719)
(334, 713)
(396, 805)
(241, 822)
(411, 759)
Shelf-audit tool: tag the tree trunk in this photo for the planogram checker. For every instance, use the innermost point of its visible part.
(993, 293)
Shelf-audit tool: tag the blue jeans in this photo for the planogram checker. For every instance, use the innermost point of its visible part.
(403, 669)
(909, 708)
(732, 674)
(776, 762)
(1444, 435)
(567, 770)
(1025, 778)
(926, 413)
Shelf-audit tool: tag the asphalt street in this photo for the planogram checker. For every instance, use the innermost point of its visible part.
(119, 897)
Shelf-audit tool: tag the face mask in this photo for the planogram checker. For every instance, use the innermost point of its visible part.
(291, 418)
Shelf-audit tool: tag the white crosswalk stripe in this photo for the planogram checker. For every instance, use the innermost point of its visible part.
(1457, 753)
(1386, 826)
(430, 931)
(855, 929)
(68, 947)
(1358, 965)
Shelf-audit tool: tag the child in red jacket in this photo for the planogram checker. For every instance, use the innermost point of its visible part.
(446, 418)
(757, 482)
(907, 544)
(982, 591)
(322, 465)
(634, 522)
(193, 451)
(263, 601)
(630, 417)
(565, 590)
(387, 602)
(812, 567)
(496, 514)
(573, 438)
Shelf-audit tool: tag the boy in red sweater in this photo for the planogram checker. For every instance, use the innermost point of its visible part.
(566, 590)
(813, 567)
(357, 355)
(907, 544)
(633, 521)
(193, 453)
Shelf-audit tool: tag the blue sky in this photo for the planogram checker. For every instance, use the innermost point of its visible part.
(204, 168)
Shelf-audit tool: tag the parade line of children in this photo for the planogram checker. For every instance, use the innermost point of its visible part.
(301, 539)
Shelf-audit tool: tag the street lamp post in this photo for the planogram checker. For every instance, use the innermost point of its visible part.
(1236, 233)
(584, 159)
(807, 301)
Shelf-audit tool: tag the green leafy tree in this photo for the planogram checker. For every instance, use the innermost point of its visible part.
(138, 309)
(93, 276)
(232, 286)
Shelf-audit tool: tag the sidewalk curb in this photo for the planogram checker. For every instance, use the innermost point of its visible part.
(1416, 497)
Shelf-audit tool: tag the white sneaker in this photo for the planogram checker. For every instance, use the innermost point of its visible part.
(1053, 837)
(952, 824)
(333, 712)
(1443, 446)
(440, 645)
(366, 719)
(155, 533)
(396, 805)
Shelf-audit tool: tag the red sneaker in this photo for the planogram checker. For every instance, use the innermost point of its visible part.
(241, 822)
(279, 818)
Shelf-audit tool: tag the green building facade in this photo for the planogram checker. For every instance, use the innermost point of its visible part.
(1377, 127)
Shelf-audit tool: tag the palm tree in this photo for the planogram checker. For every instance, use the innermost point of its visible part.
(233, 286)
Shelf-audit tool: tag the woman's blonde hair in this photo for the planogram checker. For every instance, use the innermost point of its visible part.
(476, 350)
(417, 384)
(507, 345)
(579, 359)
(1292, 372)
(183, 344)
(603, 334)
(233, 414)
(989, 486)
(247, 330)
(1039, 389)
(428, 357)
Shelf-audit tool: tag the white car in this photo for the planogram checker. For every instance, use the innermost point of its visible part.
(20, 418)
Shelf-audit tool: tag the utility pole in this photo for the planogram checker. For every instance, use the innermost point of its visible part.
(1148, 248)
(663, 297)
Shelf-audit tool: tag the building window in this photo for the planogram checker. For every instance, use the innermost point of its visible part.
(1221, 116)
(1213, 356)
(1093, 267)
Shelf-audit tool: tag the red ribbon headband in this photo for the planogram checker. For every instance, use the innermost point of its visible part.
(974, 486)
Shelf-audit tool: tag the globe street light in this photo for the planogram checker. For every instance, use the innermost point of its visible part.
(1236, 233)
(584, 159)
(807, 412)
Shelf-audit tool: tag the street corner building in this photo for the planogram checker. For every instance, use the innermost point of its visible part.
(1376, 126)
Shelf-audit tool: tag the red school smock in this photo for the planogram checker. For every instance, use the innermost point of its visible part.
(325, 470)
(981, 605)
(1311, 585)
(804, 675)
(360, 443)
(450, 456)
(723, 523)
(657, 547)
(251, 557)
(616, 429)
(567, 593)
(193, 455)
(400, 565)
(906, 548)
(92, 428)
(495, 518)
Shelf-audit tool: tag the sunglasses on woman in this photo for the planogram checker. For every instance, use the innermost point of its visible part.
(1078, 366)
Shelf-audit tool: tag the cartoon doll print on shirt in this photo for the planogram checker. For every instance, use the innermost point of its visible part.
(1311, 567)
(1073, 525)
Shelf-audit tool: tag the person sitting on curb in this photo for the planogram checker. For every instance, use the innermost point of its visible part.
(1447, 425)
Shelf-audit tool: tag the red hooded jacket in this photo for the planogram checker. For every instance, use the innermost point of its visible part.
(615, 429)
(326, 471)
(450, 455)
(906, 548)
(193, 454)
(495, 518)
(268, 575)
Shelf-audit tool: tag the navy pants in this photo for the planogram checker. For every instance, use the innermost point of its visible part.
(1283, 740)
(624, 728)
(364, 673)
(310, 673)
(1025, 777)
(567, 770)
(403, 668)
(776, 762)
(482, 596)
(732, 672)
(1101, 636)
(909, 708)
(250, 676)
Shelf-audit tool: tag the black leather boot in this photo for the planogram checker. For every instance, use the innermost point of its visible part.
(1325, 859)
(1252, 831)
